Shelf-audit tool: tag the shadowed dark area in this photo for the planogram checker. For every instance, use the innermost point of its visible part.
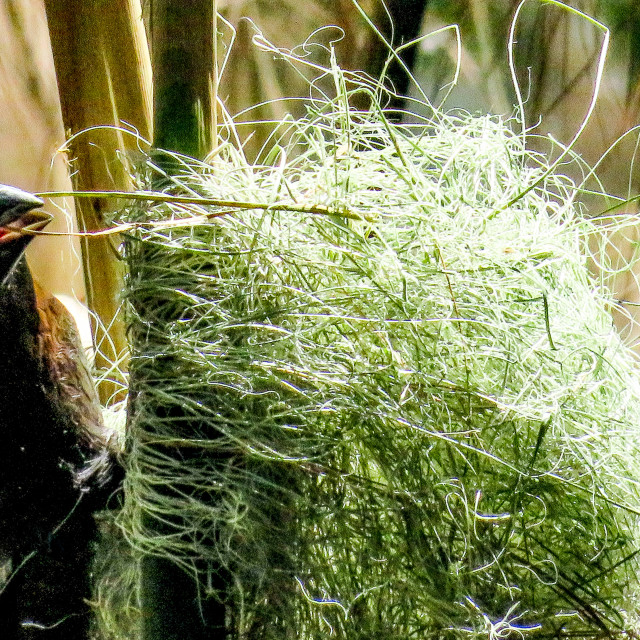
(54, 470)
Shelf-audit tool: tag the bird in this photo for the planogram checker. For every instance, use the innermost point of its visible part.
(57, 458)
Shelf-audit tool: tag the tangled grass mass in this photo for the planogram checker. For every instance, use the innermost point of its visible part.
(389, 402)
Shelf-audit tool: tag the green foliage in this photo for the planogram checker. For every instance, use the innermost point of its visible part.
(403, 413)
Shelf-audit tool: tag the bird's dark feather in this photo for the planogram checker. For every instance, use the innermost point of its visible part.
(54, 457)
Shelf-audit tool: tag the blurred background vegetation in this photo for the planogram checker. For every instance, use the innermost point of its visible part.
(66, 65)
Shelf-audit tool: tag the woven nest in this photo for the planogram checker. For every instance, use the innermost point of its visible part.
(386, 400)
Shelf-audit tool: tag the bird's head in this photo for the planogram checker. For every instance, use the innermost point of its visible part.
(17, 218)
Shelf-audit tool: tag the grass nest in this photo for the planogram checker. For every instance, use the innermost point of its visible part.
(377, 391)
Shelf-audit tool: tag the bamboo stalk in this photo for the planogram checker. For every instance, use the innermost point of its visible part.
(182, 39)
(183, 74)
(104, 78)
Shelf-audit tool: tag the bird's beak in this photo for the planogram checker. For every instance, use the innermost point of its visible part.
(19, 220)
(24, 225)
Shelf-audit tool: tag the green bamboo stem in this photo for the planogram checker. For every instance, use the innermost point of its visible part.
(183, 68)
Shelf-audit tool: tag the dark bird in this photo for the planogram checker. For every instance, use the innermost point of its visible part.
(55, 462)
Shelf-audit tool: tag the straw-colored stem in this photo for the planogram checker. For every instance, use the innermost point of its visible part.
(104, 77)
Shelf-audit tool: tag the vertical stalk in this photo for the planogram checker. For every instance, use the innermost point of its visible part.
(182, 54)
(182, 41)
(104, 78)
